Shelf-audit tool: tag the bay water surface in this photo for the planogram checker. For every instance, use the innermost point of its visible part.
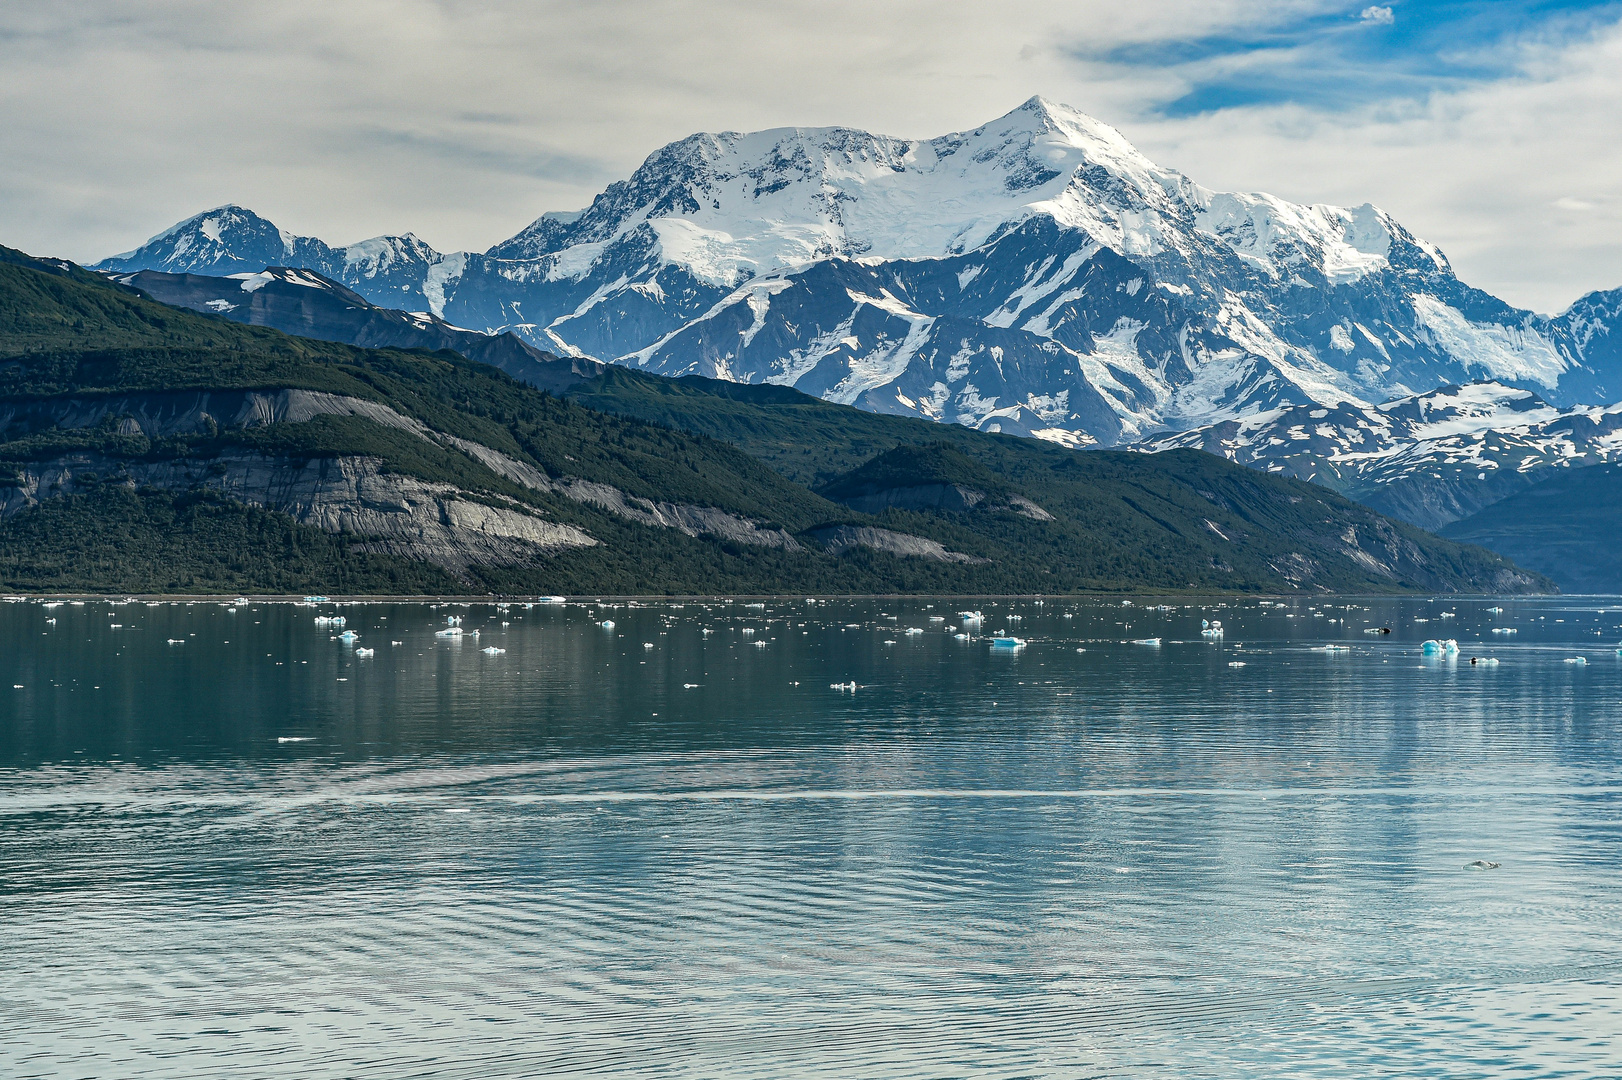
(795, 839)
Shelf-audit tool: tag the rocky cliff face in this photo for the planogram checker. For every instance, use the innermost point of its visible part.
(383, 509)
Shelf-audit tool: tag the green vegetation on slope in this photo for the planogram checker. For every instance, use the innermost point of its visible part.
(1124, 521)
(117, 540)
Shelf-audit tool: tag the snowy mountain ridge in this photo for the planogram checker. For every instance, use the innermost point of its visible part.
(1036, 275)
(1430, 459)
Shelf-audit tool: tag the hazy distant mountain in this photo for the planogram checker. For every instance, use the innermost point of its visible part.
(1036, 275)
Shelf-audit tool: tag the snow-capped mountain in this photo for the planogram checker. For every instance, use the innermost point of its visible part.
(1430, 458)
(1035, 275)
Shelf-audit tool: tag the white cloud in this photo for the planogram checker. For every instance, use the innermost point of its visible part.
(462, 121)
(1379, 16)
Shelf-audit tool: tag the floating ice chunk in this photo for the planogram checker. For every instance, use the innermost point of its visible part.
(363, 653)
(1205, 624)
(647, 644)
(849, 687)
(1378, 630)
(453, 620)
(295, 738)
(911, 630)
(491, 650)
(1146, 641)
(1433, 647)
(1236, 663)
(748, 630)
(551, 599)
(1484, 661)
(608, 624)
(1503, 630)
(177, 641)
(1001, 642)
(937, 618)
(1332, 648)
(348, 635)
(762, 644)
(1213, 632)
(1495, 611)
(691, 685)
(960, 637)
(1580, 661)
(451, 632)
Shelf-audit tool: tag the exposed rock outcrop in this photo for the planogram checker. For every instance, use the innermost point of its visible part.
(839, 539)
(159, 415)
(352, 496)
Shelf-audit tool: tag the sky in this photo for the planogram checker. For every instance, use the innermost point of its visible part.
(1492, 129)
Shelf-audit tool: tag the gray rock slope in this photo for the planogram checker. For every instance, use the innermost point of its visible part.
(351, 494)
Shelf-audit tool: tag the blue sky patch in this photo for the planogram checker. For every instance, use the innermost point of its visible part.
(1398, 49)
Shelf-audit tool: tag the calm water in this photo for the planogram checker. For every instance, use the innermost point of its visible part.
(648, 851)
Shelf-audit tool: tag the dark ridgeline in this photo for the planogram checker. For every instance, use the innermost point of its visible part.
(149, 448)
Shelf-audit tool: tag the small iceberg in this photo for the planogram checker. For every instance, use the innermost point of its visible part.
(1236, 663)
(1001, 642)
(1484, 661)
(1332, 648)
(453, 620)
(348, 635)
(965, 637)
(491, 650)
(912, 630)
(1495, 611)
(177, 641)
(1146, 641)
(1503, 630)
(551, 599)
(607, 624)
(1580, 661)
(1378, 630)
(364, 653)
(1433, 647)
(848, 687)
(451, 632)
